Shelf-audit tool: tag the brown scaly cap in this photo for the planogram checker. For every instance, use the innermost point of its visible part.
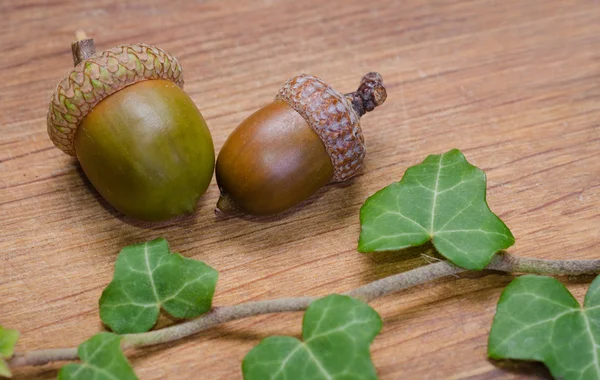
(335, 117)
(99, 76)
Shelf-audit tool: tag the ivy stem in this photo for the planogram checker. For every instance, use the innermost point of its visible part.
(369, 292)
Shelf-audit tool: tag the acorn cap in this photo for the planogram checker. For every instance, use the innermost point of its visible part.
(335, 117)
(99, 76)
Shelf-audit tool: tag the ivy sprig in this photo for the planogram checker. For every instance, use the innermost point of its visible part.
(338, 329)
(366, 293)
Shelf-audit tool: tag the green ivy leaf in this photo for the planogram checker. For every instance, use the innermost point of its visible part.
(443, 200)
(147, 277)
(8, 339)
(538, 319)
(337, 331)
(102, 360)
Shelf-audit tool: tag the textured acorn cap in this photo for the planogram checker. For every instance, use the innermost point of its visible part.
(335, 117)
(99, 76)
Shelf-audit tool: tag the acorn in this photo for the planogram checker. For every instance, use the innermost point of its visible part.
(139, 138)
(307, 137)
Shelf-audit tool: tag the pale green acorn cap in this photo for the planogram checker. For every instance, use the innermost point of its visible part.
(99, 76)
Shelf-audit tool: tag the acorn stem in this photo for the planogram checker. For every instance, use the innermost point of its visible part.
(83, 48)
(370, 94)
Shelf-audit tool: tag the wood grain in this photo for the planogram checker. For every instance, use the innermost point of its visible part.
(514, 84)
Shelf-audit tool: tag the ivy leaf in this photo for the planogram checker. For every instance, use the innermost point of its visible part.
(337, 331)
(147, 277)
(538, 319)
(102, 360)
(8, 339)
(443, 200)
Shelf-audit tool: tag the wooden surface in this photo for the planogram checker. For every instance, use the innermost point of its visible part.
(514, 84)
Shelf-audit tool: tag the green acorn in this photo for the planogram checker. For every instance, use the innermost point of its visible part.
(139, 138)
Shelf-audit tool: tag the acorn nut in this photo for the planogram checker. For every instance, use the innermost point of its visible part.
(138, 136)
(283, 153)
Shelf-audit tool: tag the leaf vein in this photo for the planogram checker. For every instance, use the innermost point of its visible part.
(593, 341)
(150, 272)
(435, 195)
(529, 326)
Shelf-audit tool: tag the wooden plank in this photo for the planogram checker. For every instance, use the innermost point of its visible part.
(514, 84)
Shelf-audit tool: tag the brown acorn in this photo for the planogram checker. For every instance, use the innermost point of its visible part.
(139, 138)
(283, 153)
